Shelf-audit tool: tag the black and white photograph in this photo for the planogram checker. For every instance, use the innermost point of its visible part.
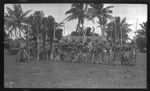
(75, 45)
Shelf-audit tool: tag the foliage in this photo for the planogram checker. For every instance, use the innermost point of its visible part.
(77, 11)
(117, 29)
(141, 37)
(88, 32)
(58, 34)
(15, 19)
(101, 12)
(43, 34)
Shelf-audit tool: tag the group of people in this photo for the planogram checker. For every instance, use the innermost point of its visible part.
(104, 51)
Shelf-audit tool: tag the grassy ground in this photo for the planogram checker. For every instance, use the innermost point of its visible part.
(46, 74)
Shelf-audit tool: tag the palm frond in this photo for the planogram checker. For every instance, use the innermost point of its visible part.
(107, 11)
(91, 13)
(86, 7)
(58, 25)
(69, 11)
(25, 14)
(123, 21)
(108, 7)
(71, 17)
(97, 6)
(73, 11)
(10, 11)
(144, 26)
(109, 16)
(17, 10)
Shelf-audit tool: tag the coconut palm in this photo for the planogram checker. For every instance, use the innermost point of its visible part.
(141, 37)
(15, 19)
(35, 22)
(77, 11)
(100, 12)
(51, 32)
(50, 26)
(142, 32)
(45, 27)
(118, 29)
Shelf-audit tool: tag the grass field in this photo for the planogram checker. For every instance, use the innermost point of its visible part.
(47, 74)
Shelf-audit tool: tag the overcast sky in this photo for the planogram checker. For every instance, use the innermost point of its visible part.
(133, 13)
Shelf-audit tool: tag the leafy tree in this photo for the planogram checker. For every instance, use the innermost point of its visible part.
(58, 34)
(101, 12)
(78, 11)
(118, 29)
(46, 27)
(38, 16)
(15, 19)
(141, 37)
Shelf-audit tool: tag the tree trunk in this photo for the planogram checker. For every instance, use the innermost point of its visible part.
(115, 36)
(77, 28)
(52, 52)
(112, 36)
(84, 33)
(46, 45)
(121, 37)
(10, 36)
(28, 50)
(19, 33)
(16, 34)
(102, 30)
(37, 44)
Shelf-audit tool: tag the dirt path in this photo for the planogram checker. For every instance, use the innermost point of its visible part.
(46, 74)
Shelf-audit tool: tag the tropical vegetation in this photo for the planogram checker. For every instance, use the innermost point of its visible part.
(44, 39)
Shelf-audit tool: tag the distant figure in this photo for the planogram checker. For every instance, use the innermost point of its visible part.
(22, 50)
(90, 45)
(93, 30)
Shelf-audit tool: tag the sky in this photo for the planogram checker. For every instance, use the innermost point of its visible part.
(135, 13)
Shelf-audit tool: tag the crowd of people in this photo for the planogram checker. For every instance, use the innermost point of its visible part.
(92, 51)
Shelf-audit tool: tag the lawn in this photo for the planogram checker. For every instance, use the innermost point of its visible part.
(47, 74)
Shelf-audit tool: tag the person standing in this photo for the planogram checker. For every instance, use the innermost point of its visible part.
(22, 55)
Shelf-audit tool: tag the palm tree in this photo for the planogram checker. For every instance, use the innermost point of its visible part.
(38, 16)
(44, 26)
(34, 23)
(16, 19)
(141, 36)
(102, 13)
(51, 32)
(118, 29)
(142, 32)
(78, 11)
